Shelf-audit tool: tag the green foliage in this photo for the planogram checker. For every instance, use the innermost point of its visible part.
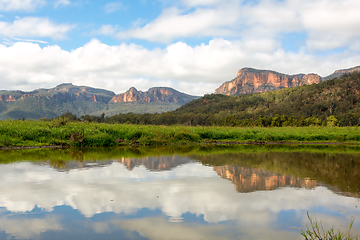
(316, 231)
(332, 121)
(58, 122)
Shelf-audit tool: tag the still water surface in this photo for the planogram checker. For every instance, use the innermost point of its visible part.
(202, 195)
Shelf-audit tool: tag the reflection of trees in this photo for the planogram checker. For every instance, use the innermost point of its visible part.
(77, 155)
(340, 171)
(58, 164)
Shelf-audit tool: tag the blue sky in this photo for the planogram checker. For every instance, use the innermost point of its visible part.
(191, 45)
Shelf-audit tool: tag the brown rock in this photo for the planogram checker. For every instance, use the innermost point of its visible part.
(157, 94)
(251, 80)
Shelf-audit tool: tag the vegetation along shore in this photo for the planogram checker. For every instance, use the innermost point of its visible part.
(61, 132)
(328, 112)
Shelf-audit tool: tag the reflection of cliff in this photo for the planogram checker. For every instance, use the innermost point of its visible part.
(155, 163)
(339, 172)
(251, 179)
(150, 163)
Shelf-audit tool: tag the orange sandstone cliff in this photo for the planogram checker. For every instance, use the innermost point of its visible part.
(251, 80)
(153, 95)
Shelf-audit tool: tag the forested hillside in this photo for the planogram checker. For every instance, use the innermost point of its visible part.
(299, 106)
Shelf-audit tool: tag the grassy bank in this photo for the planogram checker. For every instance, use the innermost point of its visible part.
(38, 133)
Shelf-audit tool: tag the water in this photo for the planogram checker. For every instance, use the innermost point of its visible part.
(214, 194)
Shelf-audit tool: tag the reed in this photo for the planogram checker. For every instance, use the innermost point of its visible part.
(316, 231)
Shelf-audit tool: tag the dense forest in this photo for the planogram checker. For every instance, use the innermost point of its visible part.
(334, 102)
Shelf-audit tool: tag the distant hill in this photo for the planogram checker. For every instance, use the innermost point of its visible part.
(249, 80)
(82, 100)
(288, 106)
(339, 73)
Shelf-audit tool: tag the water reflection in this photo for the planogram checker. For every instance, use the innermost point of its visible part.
(164, 197)
(251, 179)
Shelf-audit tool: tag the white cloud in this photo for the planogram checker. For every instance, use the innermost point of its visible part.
(114, 7)
(195, 70)
(172, 24)
(196, 3)
(61, 2)
(328, 24)
(30, 40)
(105, 30)
(21, 5)
(34, 27)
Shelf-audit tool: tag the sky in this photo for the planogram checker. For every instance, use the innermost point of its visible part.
(191, 45)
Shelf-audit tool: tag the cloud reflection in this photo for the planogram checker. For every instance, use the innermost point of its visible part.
(189, 188)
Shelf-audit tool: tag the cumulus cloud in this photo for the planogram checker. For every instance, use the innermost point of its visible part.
(21, 5)
(172, 24)
(328, 24)
(192, 69)
(34, 27)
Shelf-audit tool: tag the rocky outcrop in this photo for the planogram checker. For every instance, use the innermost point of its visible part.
(8, 98)
(251, 179)
(251, 80)
(153, 95)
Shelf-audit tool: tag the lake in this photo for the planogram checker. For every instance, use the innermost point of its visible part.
(183, 192)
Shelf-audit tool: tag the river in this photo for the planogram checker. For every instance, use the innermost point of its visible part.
(234, 192)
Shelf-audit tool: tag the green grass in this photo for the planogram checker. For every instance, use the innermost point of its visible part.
(316, 231)
(38, 133)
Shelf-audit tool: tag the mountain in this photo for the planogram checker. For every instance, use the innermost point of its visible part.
(82, 100)
(339, 73)
(157, 94)
(299, 106)
(249, 80)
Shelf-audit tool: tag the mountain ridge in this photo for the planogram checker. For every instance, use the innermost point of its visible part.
(251, 80)
(83, 100)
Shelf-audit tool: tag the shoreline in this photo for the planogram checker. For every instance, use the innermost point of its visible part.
(184, 144)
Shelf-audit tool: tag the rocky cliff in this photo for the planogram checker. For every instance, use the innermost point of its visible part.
(251, 179)
(153, 95)
(251, 80)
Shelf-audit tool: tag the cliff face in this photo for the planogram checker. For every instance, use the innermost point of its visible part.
(250, 80)
(250, 179)
(153, 95)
